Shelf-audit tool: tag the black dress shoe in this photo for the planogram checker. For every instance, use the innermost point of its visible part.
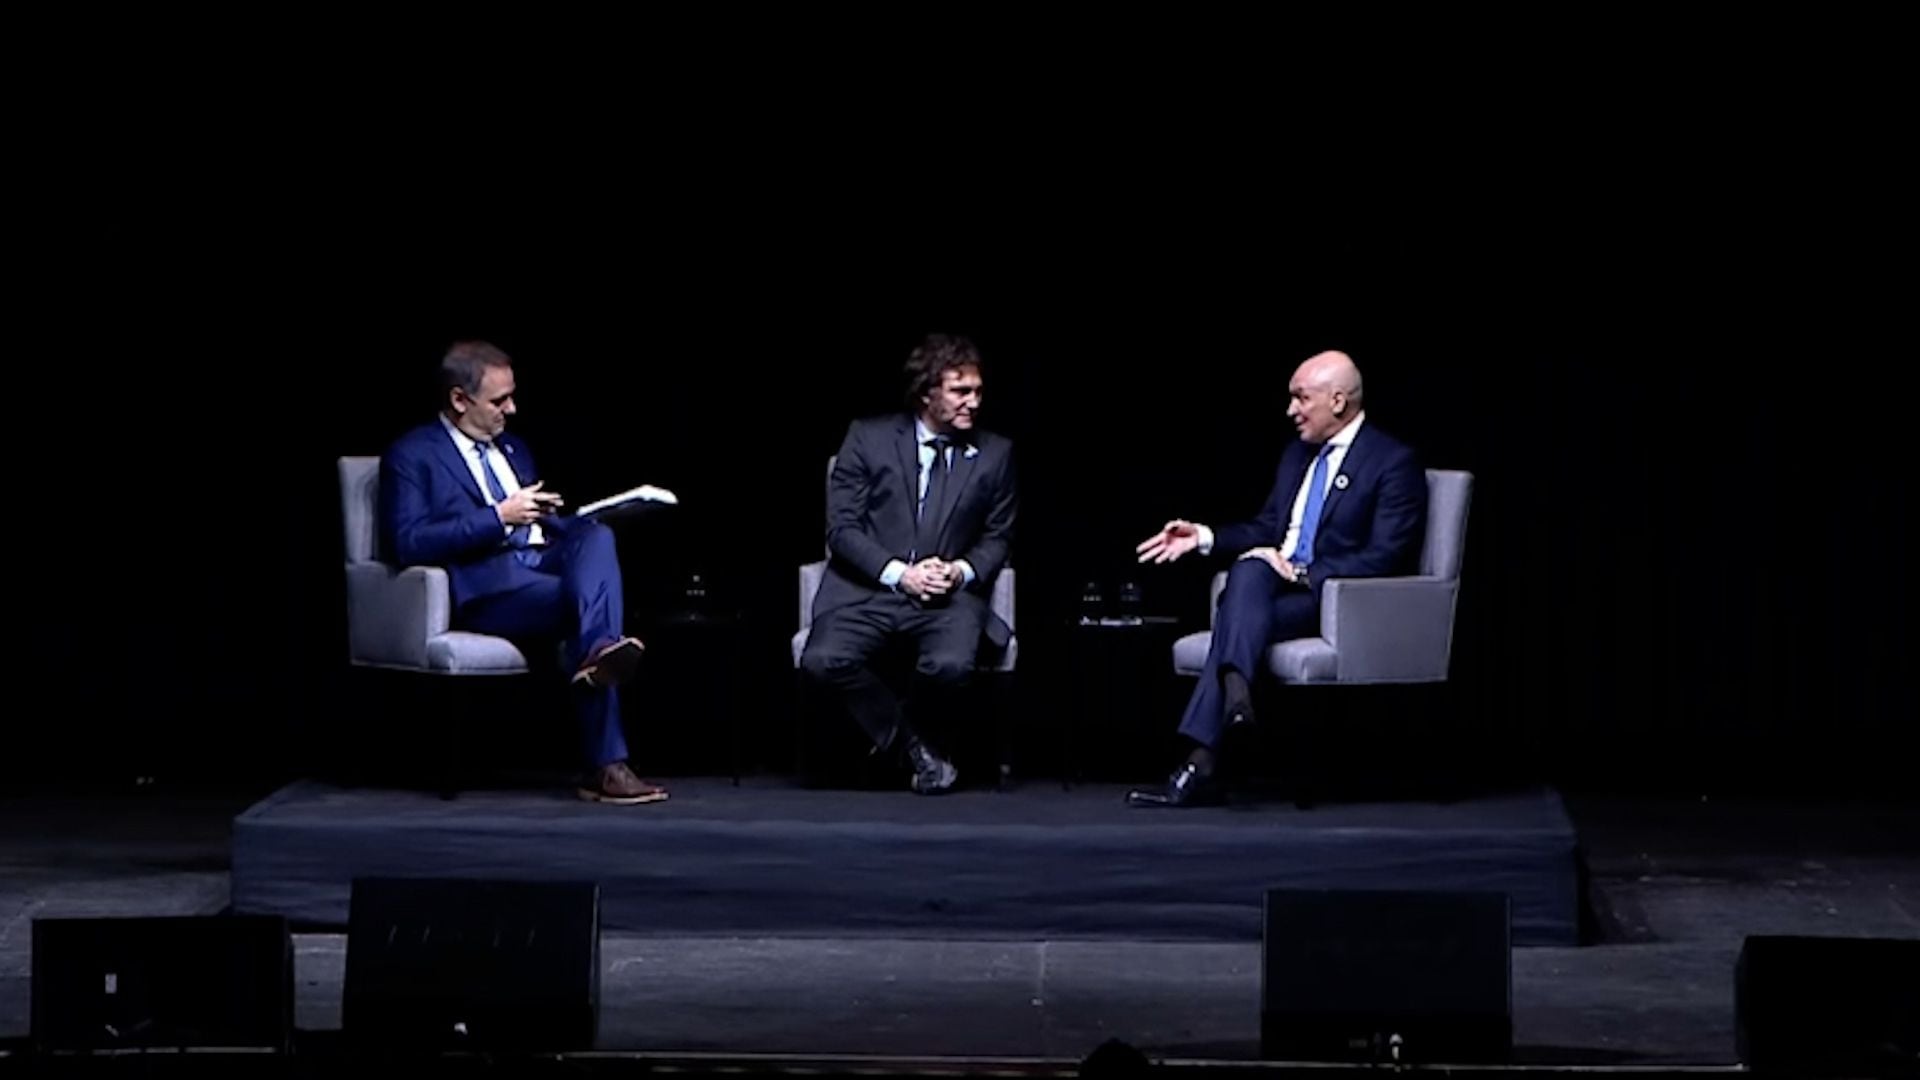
(932, 774)
(1186, 787)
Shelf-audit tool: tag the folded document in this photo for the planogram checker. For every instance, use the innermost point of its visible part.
(645, 493)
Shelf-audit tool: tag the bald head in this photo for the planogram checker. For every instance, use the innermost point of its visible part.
(1330, 371)
(1324, 395)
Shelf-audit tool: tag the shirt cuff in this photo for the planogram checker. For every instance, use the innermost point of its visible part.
(891, 573)
(966, 571)
(1206, 539)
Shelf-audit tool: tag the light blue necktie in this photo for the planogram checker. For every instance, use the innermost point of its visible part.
(926, 529)
(520, 535)
(1316, 499)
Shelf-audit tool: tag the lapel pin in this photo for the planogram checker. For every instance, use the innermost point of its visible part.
(971, 451)
(1340, 481)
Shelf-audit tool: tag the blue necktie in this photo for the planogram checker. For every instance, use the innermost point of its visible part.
(1316, 499)
(926, 533)
(520, 536)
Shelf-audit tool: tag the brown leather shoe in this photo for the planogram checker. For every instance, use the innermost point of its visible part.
(616, 784)
(612, 665)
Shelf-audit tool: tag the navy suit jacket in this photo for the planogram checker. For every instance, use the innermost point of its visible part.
(871, 501)
(432, 513)
(1372, 524)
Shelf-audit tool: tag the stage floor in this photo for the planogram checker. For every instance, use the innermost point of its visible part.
(1675, 884)
(768, 859)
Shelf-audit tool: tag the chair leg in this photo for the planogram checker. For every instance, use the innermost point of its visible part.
(1305, 759)
(734, 721)
(1002, 705)
(450, 765)
(733, 745)
(731, 704)
(802, 757)
(808, 765)
(734, 703)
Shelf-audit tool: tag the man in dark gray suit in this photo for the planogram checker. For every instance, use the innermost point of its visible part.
(920, 511)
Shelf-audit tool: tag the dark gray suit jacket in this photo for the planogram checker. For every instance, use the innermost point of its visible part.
(871, 501)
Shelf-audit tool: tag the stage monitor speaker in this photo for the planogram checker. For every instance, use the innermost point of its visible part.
(447, 963)
(1380, 976)
(162, 981)
(1828, 1005)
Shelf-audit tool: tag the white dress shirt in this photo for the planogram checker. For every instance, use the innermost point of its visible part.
(1341, 441)
(890, 573)
(508, 481)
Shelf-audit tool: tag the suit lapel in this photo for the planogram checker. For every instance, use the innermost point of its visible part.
(908, 447)
(1350, 465)
(451, 460)
(517, 460)
(957, 478)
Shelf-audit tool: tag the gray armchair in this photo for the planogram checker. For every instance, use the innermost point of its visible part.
(399, 619)
(1374, 630)
(1001, 603)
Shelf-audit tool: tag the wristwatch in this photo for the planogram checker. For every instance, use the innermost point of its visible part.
(1300, 573)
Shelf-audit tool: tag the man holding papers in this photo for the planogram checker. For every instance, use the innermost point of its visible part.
(461, 493)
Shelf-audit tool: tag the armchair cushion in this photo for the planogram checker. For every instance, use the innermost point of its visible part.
(1302, 660)
(1305, 660)
(1001, 604)
(460, 653)
(400, 620)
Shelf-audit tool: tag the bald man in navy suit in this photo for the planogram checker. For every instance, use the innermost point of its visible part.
(1348, 500)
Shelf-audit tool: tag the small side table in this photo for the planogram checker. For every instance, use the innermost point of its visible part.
(687, 697)
(1126, 702)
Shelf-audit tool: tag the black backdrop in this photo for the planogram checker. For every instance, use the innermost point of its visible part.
(1688, 558)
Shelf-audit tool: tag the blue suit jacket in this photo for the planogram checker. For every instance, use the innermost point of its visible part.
(433, 513)
(1374, 519)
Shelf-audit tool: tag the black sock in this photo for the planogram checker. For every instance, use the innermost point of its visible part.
(1235, 686)
(1202, 760)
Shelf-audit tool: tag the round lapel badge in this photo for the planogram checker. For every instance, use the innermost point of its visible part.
(1340, 481)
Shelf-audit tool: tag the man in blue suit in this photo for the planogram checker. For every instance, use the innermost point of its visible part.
(461, 493)
(1348, 500)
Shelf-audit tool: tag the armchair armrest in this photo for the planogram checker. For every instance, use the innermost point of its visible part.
(1397, 629)
(1001, 603)
(810, 577)
(391, 615)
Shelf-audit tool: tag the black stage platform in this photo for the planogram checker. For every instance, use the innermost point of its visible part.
(1033, 863)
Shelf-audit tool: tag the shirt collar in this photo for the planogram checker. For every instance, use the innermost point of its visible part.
(461, 439)
(921, 433)
(1343, 438)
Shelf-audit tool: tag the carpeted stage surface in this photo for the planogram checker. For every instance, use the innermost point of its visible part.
(766, 859)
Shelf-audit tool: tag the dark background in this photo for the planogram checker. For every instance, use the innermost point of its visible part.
(1663, 354)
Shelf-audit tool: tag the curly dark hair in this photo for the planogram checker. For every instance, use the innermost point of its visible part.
(939, 353)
